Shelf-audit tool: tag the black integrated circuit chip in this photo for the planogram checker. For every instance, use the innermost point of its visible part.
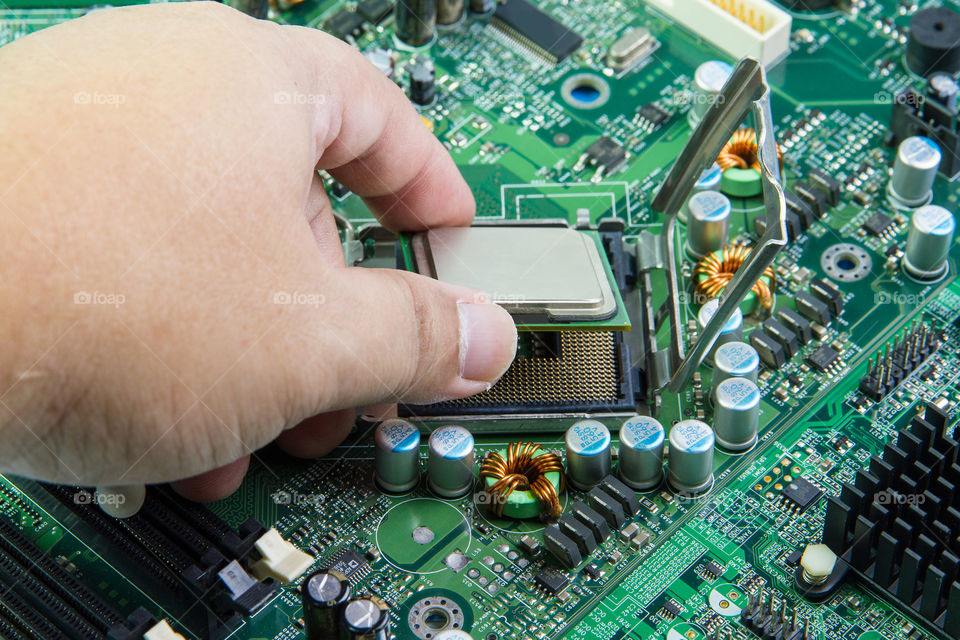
(802, 493)
(350, 564)
(607, 153)
(878, 224)
(823, 358)
(671, 608)
(536, 30)
(713, 569)
(653, 114)
(374, 11)
(551, 581)
(344, 23)
(792, 559)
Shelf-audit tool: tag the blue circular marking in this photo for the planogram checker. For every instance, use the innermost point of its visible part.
(588, 438)
(642, 433)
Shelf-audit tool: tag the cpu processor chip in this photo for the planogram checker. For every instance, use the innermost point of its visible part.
(536, 272)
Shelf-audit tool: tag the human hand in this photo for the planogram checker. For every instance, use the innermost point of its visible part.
(173, 291)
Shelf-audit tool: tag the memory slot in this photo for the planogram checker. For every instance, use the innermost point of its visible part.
(174, 528)
(161, 569)
(14, 629)
(55, 578)
(230, 542)
(44, 615)
(45, 601)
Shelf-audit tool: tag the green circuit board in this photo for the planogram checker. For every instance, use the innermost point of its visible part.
(521, 137)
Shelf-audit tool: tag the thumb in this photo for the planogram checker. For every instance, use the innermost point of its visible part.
(409, 338)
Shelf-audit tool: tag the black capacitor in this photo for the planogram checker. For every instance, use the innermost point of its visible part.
(449, 11)
(423, 86)
(364, 619)
(934, 41)
(416, 21)
(322, 594)
(482, 6)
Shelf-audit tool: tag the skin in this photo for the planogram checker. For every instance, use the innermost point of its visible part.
(173, 289)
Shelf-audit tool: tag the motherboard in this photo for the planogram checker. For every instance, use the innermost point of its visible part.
(725, 230)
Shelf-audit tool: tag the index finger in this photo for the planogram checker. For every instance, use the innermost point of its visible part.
(377, 145)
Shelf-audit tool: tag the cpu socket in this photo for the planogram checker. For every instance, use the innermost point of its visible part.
(542, 275)
(559, 286)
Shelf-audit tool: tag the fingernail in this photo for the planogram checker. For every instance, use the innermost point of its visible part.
(488, 343)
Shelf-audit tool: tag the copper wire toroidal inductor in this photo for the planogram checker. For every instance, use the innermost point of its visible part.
(523, 470)
(714, 272)
(740, 152)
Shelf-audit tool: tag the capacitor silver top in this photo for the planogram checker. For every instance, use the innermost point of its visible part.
(732, 330)
(322, 593)
(708, 80)
(641, 452)
(690, 461)
(451, 461)
(708, 222)
(588, 453)
(914, 170)
(736, 413)
(709, 180)
(735, 359)
(397, 455)
(929, 241)
(365, 619)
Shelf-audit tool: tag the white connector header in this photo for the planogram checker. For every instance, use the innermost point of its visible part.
(756, 28)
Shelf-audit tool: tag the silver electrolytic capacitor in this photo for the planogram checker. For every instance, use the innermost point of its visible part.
(735, 360)
(397, 455)
(365, 619)
(708, 222)
(736, 413)
(451, 461)
(709, 180)
(588, 453)
(708, 80)
(732, 330)
(416, 21)
(914, 171)
(641, 452)
(928, 242)
(690, 462)
(322, 594)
